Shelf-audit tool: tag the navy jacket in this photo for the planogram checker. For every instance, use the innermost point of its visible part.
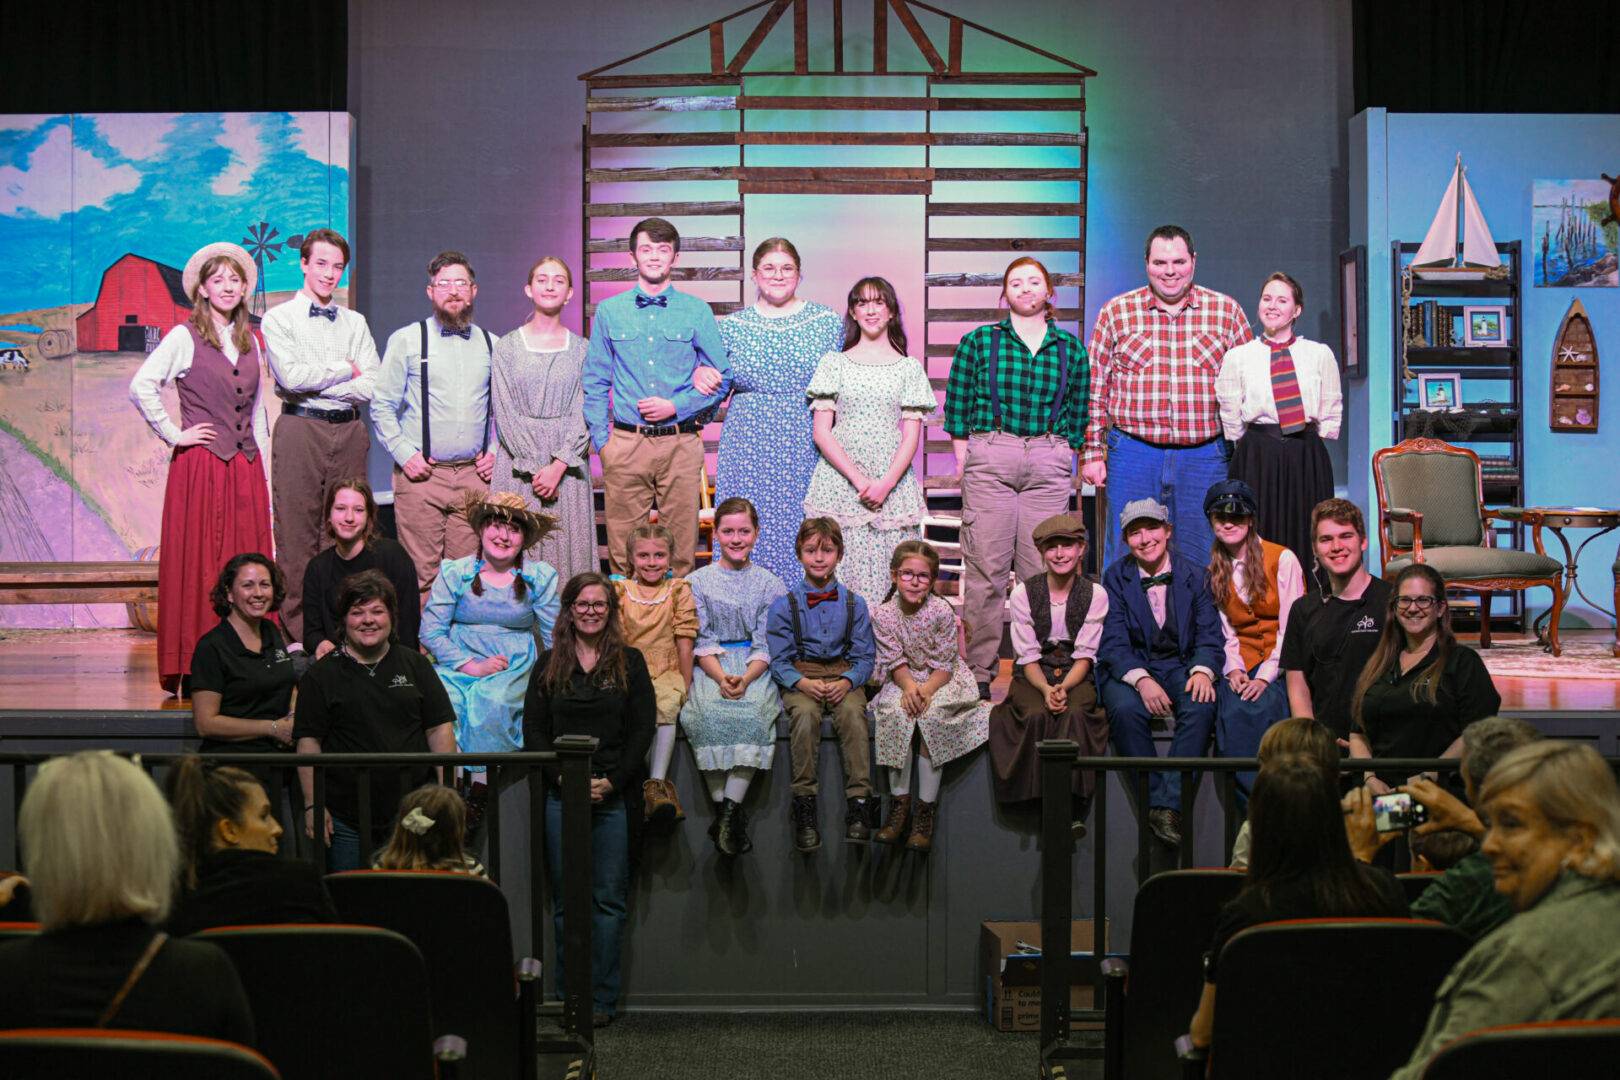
(1129, 628)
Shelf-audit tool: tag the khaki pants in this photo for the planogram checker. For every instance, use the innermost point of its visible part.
(636, 471)
(1009, 486)
(430, 516)
(309, 457)
(849, 725)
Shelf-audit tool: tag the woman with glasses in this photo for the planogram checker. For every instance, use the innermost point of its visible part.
(1421, 687)
(869, 401)
(766, 452)
(590, 683)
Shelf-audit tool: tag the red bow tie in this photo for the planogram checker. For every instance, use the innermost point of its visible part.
(814, 598)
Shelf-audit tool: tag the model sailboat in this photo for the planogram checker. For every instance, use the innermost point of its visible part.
(1459, 214)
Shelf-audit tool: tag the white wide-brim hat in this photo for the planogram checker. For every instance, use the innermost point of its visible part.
(194, 266)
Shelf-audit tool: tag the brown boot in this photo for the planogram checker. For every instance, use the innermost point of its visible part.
(660, 801)
(899, 818)
(922, 827)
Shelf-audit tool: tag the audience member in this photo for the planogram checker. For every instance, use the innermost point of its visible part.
(590, 683)
(103, 858)
(1296, 735)
(231, 875)
(1554, 844)
(1421, 687)
(429, 834)
(1438, 852)
(1301, 869)
(357, 544)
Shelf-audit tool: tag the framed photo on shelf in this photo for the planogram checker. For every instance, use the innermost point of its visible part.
(1353, 311)
(1440, 392)
(1485, 327)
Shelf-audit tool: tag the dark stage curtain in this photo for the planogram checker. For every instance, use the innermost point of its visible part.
(170, 56)
(1506, 56)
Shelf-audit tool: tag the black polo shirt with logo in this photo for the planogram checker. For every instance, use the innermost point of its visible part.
(251, 685)
(1330, 640)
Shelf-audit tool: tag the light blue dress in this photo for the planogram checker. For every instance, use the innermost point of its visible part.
(732, 609)
(458, 626)
(766, 450)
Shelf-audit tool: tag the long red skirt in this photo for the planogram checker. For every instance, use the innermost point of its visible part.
(212, 510)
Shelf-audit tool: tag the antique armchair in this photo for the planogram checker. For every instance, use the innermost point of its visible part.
(1431, 509)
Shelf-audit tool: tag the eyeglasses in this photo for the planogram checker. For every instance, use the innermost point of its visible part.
(444, 284)
(914, 575)
(1419, 604)
(587, 607)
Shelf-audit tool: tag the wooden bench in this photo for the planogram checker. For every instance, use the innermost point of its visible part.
(79, 582)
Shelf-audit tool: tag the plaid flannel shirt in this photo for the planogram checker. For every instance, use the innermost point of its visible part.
(1153, 373)
(1026, 383)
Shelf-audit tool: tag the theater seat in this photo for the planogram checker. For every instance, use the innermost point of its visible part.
(1562, 1048)
(67, 1053)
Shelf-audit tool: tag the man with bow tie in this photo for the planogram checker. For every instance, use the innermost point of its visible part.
(655, 372)
(432, 416)
(325, 366)
(1161, 647)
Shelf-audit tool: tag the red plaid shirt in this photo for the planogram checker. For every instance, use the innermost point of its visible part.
(1153, 373)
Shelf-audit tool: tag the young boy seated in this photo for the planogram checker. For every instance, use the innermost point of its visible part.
(1161, 647)
(822, 652)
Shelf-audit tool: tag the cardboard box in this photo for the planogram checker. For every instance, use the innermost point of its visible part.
(1012, 979)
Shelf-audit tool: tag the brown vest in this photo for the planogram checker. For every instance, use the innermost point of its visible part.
(1256, 627)
(216, 392)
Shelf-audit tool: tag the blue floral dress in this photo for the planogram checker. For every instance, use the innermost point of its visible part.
(458, 626)
(766, 450)
(732, 608)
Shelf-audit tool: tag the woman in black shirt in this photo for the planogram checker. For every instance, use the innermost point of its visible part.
(1421, 687)
(350, 514)
(230, 874)
(590, 683)
(370, 696)
(241, 676)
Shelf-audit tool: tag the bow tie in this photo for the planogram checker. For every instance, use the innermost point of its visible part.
(651, 301)
(1156, 579)
(814, 598)
(327, 313)
(465, 333)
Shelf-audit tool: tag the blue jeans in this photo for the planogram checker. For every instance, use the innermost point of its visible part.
(1239, 725)
(610, 885)
(1129, 721)
(1177, 478)
(344, 854)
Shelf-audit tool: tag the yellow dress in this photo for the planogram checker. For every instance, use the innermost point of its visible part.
(653, 624)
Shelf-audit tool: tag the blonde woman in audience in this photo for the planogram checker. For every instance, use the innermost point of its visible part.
(428, 834)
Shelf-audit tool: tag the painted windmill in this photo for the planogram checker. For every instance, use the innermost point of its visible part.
(261, 243)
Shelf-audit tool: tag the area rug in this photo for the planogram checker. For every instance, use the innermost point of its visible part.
(1583, 658)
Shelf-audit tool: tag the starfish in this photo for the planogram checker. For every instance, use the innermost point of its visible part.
(1566, 355)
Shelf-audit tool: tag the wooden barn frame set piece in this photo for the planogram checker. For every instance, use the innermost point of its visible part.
(724, 86)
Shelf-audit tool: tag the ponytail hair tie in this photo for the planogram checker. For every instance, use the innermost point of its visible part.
(417, 822)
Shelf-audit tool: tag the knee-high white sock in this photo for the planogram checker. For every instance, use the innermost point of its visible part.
(900, 779)
(737, 783)
(716, 782)
(663, 747)
(928, 777)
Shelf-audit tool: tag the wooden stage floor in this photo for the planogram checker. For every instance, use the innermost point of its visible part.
(70, 670)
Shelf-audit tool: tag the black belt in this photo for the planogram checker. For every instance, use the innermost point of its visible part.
(331, 416)
(1171, 446)
(1012, 434)
(654, 431)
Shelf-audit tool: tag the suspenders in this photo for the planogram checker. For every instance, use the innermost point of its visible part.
(427, 435)
(849, 618)
(995, 390)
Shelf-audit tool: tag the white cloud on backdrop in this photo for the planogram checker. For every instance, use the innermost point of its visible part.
(241, 137)
(136, 136)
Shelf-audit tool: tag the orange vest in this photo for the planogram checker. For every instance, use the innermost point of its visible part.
(1256, 627)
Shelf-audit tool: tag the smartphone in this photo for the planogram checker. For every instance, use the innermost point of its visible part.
(1397, 811)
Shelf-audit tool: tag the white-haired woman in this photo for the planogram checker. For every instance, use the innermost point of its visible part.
(103, 860)
(1554, 844)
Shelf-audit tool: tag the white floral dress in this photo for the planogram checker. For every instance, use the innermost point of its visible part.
(870, 401)
(956, 721)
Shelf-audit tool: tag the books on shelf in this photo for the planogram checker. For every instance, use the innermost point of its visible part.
(1430, 324)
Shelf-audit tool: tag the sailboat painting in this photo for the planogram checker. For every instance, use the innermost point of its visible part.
(1459, 216)
(1572, 244)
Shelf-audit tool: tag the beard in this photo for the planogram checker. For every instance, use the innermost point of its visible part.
(459, 321)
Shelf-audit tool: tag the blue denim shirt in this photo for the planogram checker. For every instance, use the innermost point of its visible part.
(650, 352)
(823, 638)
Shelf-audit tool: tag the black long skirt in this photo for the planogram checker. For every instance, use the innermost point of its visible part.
(1290, 474)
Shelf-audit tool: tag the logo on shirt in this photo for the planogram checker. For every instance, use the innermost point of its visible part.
(1365, 625)
(281, 656)
(399, 680)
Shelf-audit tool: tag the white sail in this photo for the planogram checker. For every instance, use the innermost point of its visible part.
(1479, 249)
(1440, 245)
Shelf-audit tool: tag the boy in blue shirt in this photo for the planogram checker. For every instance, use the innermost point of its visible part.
(822, 653)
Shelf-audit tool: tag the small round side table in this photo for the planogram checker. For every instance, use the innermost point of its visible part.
(1559, 518)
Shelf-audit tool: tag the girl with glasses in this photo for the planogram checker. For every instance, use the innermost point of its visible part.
(1422, 686)
(928, 694)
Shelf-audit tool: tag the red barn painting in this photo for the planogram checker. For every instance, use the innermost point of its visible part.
(138, 302)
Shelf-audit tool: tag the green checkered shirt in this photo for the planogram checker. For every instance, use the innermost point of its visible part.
(1027, 384)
